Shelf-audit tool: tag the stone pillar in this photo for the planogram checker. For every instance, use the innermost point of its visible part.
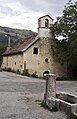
(50, 90)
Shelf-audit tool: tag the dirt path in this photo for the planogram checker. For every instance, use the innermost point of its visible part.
(20, 98)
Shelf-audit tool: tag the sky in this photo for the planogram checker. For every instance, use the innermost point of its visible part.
(24, 14)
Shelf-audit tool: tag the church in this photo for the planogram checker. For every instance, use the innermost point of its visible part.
(34, 53)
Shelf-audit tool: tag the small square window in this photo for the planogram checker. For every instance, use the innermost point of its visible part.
(35, 51)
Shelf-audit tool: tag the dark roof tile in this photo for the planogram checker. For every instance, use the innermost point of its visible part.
(21, 46)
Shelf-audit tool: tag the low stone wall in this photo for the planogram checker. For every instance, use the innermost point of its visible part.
(72, 99)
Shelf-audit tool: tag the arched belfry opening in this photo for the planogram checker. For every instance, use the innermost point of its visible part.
(46, 23)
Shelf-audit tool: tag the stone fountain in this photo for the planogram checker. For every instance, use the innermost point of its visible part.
(62, 101)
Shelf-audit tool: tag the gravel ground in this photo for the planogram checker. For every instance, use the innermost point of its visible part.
(20, 97)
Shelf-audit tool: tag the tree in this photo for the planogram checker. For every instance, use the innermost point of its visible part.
(66, 48)
(2, 49)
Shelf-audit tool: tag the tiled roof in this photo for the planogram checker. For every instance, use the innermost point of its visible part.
(22, 46)
(46, 16)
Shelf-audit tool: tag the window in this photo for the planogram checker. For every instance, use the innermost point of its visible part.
(7, 61)
(46, 23)
(46, 60)
(35, 51)
(24, 65)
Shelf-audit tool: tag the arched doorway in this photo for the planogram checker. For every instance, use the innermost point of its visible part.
(45, 72)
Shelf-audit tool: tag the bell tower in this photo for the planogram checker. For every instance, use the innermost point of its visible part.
(44, 24)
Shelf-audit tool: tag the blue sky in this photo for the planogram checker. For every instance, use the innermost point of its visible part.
(24, 14)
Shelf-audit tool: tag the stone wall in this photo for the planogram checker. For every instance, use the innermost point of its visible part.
(35, 62)
(15, 62)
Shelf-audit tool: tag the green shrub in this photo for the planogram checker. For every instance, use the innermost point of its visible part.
(26, 73)
(18, 72)
(34, 75)
(13, 71)
(9, 70)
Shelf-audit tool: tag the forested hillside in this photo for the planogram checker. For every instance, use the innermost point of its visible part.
(15, 34)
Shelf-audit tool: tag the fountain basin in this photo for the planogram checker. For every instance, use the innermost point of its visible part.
(64, 102)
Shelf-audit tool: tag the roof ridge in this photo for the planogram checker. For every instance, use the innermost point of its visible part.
(23, 45)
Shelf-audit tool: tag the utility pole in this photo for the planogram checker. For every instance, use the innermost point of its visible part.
(9, 38)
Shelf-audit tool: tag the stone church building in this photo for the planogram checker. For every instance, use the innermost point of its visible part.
(34, 53)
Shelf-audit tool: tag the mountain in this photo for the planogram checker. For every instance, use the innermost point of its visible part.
(15, 34)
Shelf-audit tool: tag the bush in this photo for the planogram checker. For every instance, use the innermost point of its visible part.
(13, 71)
(9, 70)
(26, 73)
(34, 75)
(18, 72)
(4, 69)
